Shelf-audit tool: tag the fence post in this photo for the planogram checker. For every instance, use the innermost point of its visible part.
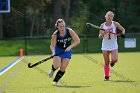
(25, 32)
(85, 43)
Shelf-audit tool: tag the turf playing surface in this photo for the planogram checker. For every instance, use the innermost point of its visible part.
(83, 75)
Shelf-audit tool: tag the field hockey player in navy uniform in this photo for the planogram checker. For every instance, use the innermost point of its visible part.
(61, 41)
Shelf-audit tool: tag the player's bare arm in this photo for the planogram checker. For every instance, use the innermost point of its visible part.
(101, 32)
(53, 43)
(75, 38)
(120, 27)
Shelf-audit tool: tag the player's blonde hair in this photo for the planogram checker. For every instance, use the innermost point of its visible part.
(109, 12)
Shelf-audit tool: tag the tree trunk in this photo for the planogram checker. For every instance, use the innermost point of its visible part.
(37, 25)
(32, 26)
(67, 11)
(1, 27)
(57, 9)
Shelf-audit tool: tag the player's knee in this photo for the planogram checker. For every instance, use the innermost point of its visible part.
(114, 60)
(56, 66)
(62, 69)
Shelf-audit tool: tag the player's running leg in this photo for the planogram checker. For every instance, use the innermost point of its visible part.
(56, 64)
(61, 72)
(114, 57)
(106, 66)
(52, 72)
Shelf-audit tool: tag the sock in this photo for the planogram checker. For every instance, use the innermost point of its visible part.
(58, 76)
(53, 68)
(107, 71)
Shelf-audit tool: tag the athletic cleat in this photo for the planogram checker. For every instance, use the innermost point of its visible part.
(51, 73)
(112, 64)
(55, 84)
(106, 79)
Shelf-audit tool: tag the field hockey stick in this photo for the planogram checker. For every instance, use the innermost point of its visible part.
(42, 61)
(97, 27)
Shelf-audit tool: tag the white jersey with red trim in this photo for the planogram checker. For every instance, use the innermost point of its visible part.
(109, 41)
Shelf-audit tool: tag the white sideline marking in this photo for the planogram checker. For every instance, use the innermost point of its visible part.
(10, 65)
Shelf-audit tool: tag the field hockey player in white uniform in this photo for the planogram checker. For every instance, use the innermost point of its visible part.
(109, 42)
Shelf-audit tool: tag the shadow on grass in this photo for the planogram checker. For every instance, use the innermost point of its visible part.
(132, 82)
(127, 81)
(74, 86)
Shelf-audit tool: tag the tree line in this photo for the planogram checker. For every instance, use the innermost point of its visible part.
(37, 17)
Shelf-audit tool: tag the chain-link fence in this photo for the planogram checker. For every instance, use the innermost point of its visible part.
(32, 32)
(41, 45)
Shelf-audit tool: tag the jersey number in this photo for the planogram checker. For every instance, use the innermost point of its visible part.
(64, 44)
(109, 37)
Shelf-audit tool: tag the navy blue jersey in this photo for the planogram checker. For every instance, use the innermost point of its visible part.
(65, 41)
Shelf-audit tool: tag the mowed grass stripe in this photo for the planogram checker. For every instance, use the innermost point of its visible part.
(82, 76)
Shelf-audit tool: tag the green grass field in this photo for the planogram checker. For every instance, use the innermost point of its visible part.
(83, 75)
